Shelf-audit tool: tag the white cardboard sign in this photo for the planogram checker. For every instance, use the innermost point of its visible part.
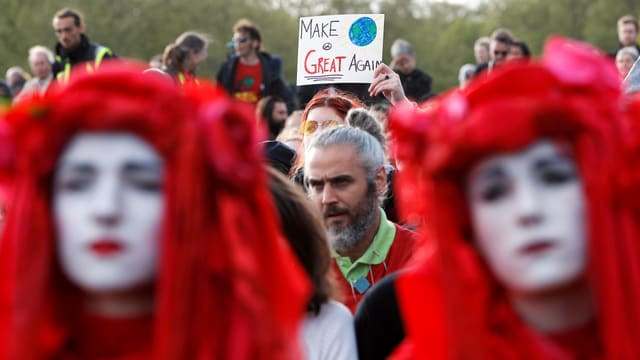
(339, 48)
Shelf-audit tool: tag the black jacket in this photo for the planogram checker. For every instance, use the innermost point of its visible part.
(272, 82)
(85, 51)
(416, 85)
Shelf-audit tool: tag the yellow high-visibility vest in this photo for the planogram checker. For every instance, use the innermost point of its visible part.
(101, 52)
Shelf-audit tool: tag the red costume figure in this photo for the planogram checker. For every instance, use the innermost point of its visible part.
(226, 285)
(457, 304)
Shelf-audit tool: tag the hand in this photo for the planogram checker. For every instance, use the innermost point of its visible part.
(387, 82)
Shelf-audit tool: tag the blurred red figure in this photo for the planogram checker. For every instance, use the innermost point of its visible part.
(132, 223)
(530, 250)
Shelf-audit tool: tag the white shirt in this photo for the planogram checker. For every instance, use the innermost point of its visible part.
(331, 334)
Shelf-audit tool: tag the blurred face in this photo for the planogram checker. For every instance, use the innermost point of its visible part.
(624, 62)
(627, 34)
(499, 51)
(108, 206)
(320, 118)
(337, 184)
(515, 52)
(278, 118)
(196, 58)
(68, 34)
(404, 63)
(481, 53)
(40, 66)
(243, 44)
(528, 216)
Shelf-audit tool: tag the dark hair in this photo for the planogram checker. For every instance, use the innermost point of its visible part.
(246, 26)
(523, 47)
(502, 35)
(265, 106)
(628, 19)
(175, 53)
(305, 232)
(68, 12)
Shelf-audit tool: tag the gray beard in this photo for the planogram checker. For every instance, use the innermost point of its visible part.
(347, 237)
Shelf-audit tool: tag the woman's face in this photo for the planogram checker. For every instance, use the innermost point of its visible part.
(624, 62)
(528, 217)
(318, 119)
(108, 206)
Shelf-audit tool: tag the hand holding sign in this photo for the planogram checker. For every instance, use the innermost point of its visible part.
(339, 48)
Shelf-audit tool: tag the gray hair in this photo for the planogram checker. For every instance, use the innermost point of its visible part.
(368, 148)
(628, 50)
(401, 46)
(364, 120)
(41, 50)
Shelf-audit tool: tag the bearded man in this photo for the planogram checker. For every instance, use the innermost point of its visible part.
(346, 178)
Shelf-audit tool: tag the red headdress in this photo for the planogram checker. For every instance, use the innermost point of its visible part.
(227, 287)
(451, 305)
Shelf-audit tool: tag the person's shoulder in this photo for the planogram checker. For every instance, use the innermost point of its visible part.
(422, 74)
(336, 312)
(404, 232)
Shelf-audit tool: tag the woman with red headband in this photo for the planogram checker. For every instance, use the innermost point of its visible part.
(132, 224)
(528, 248)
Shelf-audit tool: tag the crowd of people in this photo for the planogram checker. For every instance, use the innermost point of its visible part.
(148, 213)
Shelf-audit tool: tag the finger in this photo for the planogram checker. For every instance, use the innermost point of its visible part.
(382, 69)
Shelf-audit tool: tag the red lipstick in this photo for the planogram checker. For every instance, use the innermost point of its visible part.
(106, 247)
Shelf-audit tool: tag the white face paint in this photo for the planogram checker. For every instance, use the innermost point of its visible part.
(528, 215)
(108, 207)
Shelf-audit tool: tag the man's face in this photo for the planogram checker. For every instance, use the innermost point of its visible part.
(481, 53)
(40, 66)
(278, 118)
(243, 44)
(627, 34)
(499, 51)
(337, 184)
(404, 63)
(67, 32)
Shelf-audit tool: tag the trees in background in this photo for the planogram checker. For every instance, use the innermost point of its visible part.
(442, 33)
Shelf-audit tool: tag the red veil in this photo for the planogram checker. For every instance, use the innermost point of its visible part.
(451, 305)
(228, 287)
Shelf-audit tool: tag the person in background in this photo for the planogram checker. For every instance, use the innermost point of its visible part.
(16, 77)
(291, 135)
(501, 40)
(272, 110)
(481, 50)
(40, 61)
(327, 330)
(5, 96)
(625, 58)
(73, 46)
(465, 74)
(518, 51)
(182, 58)
(250, 73)
(415, 82)
(156, 62)
(627, 34)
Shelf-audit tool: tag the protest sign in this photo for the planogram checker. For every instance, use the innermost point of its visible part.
(339, 48)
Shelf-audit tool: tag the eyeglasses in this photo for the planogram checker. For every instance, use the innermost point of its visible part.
(498, 52)
(310, 126)
(239, 39)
